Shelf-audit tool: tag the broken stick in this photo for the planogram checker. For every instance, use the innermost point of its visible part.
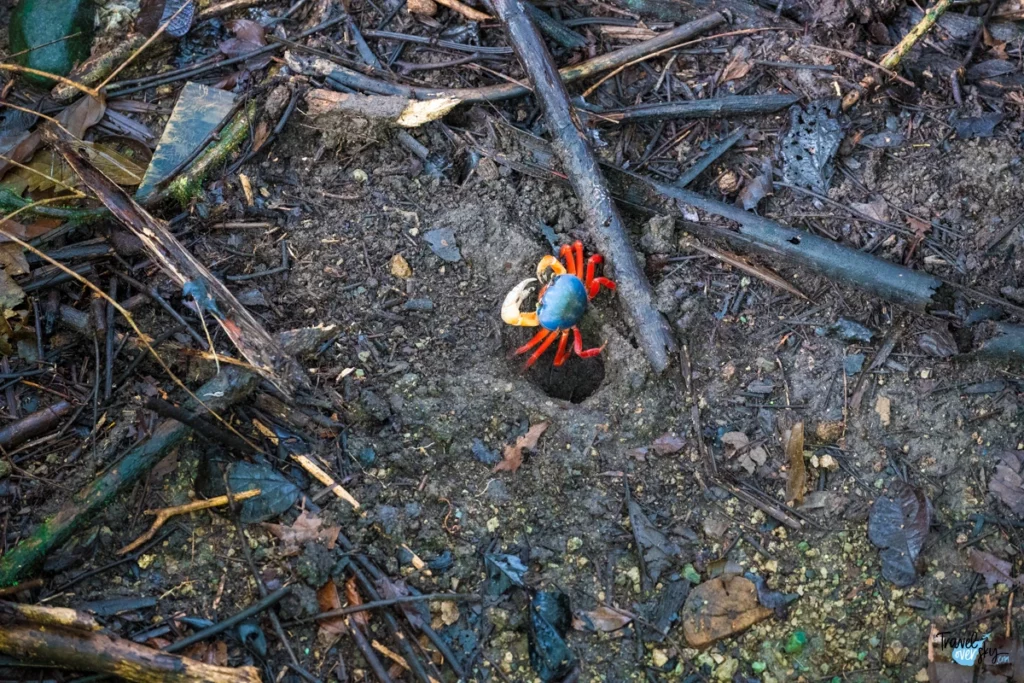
(186, 271)
(893, 57)
(579, 163)
(67, 639)
(165, 514)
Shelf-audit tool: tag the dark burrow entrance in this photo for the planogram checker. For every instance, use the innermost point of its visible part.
(574, 381)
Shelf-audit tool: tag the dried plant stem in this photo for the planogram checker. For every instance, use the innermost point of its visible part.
(164, 514)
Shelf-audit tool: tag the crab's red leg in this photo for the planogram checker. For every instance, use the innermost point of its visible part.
(578, 246)
(563, 352)
(578, 346)
(591, 264)
(543, 347)
(536, 339)
(597, 283)
(570, 261)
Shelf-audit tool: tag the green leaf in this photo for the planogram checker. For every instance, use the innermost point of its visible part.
(277, 493)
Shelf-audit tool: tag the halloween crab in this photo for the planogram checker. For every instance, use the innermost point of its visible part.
(561, 303)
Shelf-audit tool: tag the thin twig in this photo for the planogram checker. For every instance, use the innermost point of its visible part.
(165, 514)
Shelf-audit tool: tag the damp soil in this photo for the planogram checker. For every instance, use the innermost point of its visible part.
(422, 374)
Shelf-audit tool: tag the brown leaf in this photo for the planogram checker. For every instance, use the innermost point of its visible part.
(27, 232)
(878, 209)
(389, 590)
(249, 30)
(307, 527)
(994, 570)
(719, 608)
(512, 456)
(797, 482)
(260, 135)
(605, 619)
(82, 115)
(1007, 484)
(738, 67)
(354, 598)
(18, 147)
(10, 293)
(668, 444)
(328, 600)
(12, 259)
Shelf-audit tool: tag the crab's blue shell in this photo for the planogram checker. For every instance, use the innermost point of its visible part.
(563, 304)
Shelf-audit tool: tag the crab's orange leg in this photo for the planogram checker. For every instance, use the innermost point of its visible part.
(563, 352)
(592, 263)
(570, 260)
(551, 262)
(537, 338)
(543, 347)
(578, 346)
(578, 246)
(597, 283)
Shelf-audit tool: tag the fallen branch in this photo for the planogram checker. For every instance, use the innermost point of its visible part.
(35, 424)
(913, 289)
(895, 283)
(351, 78)
(388, 109)
(186, 271)
(165, 514)
(732, 105)
(64, 638)
(892, 58)
(580, 165)
(227, 388)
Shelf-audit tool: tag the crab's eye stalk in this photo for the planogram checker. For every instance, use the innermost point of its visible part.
(510, 308)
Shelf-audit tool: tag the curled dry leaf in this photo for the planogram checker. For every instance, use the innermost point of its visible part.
(898, 525)
(307, 527)
(1007, 484)
(354, 598)
(604, 618)
(796, 484)
(994, 570)
(328, 600)
(738, 67)
(737, 445)
(512, 456)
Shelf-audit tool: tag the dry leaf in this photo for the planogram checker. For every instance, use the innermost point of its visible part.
(797, 482)
(82, 115)
(354, 598)
(737, 445)
(328, 600)
(12, 259)
(994, 570)
(719, 608)
(738, 67)
(307, 527)
(512, 456)
(878, 209)
(604, 619)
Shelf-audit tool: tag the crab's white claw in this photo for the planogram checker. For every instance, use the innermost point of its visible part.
(510, 312)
